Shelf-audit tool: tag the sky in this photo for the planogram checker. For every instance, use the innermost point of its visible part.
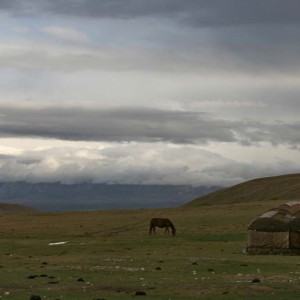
(197, 92)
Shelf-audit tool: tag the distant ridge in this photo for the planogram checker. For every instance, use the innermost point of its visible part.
(93, 196)
(284, 187)
(15, 208)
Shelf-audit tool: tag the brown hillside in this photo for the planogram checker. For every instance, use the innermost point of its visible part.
(15, 208)
(285, 187)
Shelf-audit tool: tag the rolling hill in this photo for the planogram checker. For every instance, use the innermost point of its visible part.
(15, 208)
(285, 187)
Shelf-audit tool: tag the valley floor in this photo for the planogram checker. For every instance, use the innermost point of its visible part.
(110, 255)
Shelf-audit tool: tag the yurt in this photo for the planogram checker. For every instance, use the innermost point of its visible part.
(276, 232)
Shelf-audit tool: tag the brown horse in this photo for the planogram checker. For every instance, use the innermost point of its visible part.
(161, 223)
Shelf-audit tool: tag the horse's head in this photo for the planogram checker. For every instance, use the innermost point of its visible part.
(173, 230)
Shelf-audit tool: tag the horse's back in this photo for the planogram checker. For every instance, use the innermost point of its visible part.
(160, 222)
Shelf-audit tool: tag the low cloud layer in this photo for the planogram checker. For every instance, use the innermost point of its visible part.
(135, 164)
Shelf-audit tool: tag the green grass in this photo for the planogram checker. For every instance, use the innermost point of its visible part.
(114, 255)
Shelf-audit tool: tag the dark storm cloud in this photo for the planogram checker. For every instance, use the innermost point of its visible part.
(196, 12)
(144, 125)
(242, 12)
(276, 133)
(258, 36)
(113, 125)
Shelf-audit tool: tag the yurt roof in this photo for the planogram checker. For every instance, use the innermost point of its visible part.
(292, 207)
(281, 218)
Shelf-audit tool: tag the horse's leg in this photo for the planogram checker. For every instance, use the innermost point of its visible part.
(167, 230)
(152, 229)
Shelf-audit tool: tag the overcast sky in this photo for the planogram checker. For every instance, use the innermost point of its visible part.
(201, 92)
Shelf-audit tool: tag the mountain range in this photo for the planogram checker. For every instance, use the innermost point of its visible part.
(93, 196)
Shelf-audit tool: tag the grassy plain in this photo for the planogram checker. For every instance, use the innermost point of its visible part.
(109, 255)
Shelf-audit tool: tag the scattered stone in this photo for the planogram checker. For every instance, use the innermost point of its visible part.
(53, 282)
(225, 293)
(51, 277)
(256, 280)
(210, 270)
(43, 275)
(44, 263)
(33, 276)
(140, 293)
(158, 268)
(35, 297)
(80, 279)
(194, 263)
(243, 265)
(58, 243)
